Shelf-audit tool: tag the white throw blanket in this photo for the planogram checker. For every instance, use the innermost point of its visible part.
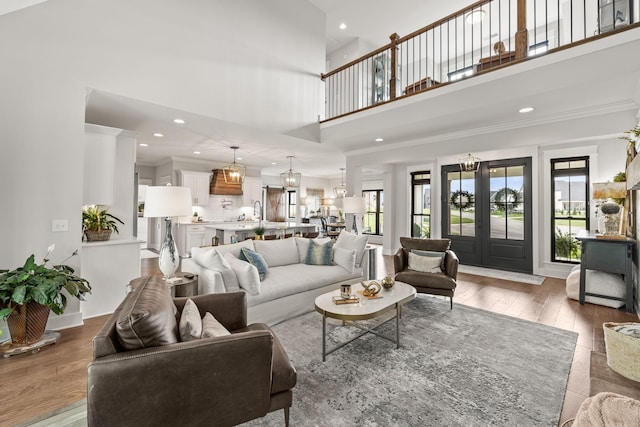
(608, 410)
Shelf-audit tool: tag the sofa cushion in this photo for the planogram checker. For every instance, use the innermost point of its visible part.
(247, 274)
(255, 259)
(434, 254)
(147, 317)
(353, 241)
(438, 245)
(211, 259)
(426, 280)
(425, 264)
(212, 328)
(345, 258)
(235, 248)
(319, 254)
(303, 246)
(190, 322)
(278, 252)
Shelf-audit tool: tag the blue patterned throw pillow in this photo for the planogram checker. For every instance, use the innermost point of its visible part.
(254, 258)
(319, 254)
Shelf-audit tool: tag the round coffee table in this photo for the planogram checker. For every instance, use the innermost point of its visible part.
(366, 308)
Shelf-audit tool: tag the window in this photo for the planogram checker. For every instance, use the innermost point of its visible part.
(569, 190)
(373, 215)
(291, 203)
(421, 204)
(313, 201)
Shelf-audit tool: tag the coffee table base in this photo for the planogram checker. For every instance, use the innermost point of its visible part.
(365, 330)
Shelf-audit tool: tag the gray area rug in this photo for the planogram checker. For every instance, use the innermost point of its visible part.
(460, 367)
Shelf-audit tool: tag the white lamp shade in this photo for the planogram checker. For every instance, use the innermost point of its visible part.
(354, 205)
(165, 201)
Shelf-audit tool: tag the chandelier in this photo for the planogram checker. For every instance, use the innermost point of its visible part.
(234, 173)
(341, 190)
(290, 178)
(469, 163)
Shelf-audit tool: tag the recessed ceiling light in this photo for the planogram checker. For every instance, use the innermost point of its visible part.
(196, 152)
(526, 110)
(474, 16)
(273, 163)
(342, 26)
(178, 121)
(379, 139)
(158, 135)
(143, 145)
(239, 158)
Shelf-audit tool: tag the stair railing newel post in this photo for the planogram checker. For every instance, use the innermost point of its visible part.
(522, 36)
(393, 81)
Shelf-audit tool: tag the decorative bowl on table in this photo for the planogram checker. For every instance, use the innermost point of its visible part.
(388, 282)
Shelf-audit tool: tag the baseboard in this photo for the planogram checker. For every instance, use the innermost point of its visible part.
(65, 321)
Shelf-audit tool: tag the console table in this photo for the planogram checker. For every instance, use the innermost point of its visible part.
(612, 256)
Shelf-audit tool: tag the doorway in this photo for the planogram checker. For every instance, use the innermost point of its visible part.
(487, 214)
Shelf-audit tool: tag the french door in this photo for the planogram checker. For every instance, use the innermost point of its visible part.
(487, 214)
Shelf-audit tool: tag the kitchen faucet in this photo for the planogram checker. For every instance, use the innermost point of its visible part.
(259, 212)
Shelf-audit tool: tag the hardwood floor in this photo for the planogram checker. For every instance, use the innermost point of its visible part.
(56, 376)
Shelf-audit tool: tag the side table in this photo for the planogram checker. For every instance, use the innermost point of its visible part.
(187, 286)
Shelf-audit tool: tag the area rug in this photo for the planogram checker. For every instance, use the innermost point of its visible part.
(531, 279)
(460, 367)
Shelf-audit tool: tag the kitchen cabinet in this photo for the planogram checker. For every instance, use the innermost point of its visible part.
(188, 236)
(251, 190)
(198, 182)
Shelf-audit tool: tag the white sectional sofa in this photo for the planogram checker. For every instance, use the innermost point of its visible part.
(291, 282)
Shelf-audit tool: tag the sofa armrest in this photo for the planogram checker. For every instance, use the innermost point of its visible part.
(451, 264)
(227, 379)
(230, 308)
(209, 280)
(398, 261)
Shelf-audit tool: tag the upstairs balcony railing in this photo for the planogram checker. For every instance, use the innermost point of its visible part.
(483, 36)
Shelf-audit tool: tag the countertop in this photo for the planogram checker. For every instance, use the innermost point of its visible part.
(247, 225)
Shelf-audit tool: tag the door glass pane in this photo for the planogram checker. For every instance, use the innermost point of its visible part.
(497, 198)
(515, 203)
(461, 203)
(506, 196)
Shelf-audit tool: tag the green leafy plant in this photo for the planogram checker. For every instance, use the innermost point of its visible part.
(632, 135)
(40, 283)
(94, 218)
(567, 246)
(259, 230)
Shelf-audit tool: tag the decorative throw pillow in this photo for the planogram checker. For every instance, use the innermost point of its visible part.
(345, 258)
(435, 254)
(425, 264)
(278, 252)
(147, 317)
(247, 274)
(213, 260)
(353, 241)
(255, 259)
(190, 322)
(319, 254)
(212, 328)
(303, 245)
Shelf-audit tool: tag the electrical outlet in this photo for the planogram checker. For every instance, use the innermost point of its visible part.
(59, 225)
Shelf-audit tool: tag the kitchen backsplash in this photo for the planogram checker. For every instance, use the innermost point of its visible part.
(215, 211)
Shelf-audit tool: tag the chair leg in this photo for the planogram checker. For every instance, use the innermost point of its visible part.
(286, 416)
(451, 299)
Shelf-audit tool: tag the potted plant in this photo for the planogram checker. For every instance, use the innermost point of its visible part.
(98, 224)
(259, 232)
(28, 293)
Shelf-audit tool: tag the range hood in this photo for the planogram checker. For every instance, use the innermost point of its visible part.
(219, 187)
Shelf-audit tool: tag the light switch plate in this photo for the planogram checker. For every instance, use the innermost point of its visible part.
(59, 225)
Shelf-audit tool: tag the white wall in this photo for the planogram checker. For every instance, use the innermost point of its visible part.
(200, 55)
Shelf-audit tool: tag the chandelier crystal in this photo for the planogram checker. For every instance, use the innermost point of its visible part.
(290, 178)
(234, 173)
(340, 191)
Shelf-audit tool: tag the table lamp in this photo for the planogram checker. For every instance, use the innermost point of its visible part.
(357, 206)
(167, 202)
(610, 209)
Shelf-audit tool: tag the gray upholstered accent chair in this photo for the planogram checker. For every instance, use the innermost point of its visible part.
(141, 375)
(439, 283)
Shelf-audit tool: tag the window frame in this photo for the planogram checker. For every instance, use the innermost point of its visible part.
(377, 213)
(419, 181)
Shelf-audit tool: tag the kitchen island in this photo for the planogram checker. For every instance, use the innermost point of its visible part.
(244, 231)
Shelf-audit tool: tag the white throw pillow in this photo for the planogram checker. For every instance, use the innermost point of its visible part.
(303, 246)
(235, 248)
(345, 258)
(213, 260)
(190, 323)
(425, 264)
(247, 274)
(353, 241)
(212, 328)
(278, 252)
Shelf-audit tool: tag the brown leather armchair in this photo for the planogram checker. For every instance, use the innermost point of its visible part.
(220, 381)
(441, 283)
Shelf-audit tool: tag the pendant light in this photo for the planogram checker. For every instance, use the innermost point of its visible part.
(234, 173)
(341, 190)
(469, 163)
(290, 178)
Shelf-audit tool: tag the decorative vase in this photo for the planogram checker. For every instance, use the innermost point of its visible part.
(388, 282)
(259, 237)
(97, 235)
(27, 323)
